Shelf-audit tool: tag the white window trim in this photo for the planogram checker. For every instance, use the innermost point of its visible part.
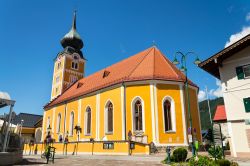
(133, 115)
(173, 116)
(48, 123)
(58, 123)
(106, 118)
(86, 123)
(244, 66)
(71, 128)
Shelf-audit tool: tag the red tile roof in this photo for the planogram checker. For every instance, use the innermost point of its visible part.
(220, 114)
(149, 64)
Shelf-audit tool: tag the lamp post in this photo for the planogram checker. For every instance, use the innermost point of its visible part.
(184, 69)
(21, 127)
(78, 131)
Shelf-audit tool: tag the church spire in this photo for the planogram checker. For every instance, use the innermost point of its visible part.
(72, 38)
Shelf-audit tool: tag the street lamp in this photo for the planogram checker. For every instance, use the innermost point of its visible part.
(49, 129)
(78, 131)
(21, 127)
(184, 69)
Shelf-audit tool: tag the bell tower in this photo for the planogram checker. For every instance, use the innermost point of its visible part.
(69, 64)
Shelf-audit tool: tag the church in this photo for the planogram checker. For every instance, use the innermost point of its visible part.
(139, 100)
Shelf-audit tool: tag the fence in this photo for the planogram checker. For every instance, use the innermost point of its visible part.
(94, 148)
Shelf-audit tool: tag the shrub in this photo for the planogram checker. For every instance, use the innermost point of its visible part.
(223, 162)
(215, 153)
(180, 154)
(202, 161)
(234, 163)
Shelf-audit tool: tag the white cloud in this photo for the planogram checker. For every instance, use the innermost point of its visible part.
(237, 36)
(216, 92)
(4, 95)
(213, 93)
(201, 95)
(248, 17)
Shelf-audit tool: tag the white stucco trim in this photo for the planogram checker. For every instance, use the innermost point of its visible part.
(53, 120)
(79, 114)
(236, 60)
(183, 113)
(156, 113)
(44, 119)
(122, 113)
(173, 116)
(143, 113)
(71, 121)
(58, 122)
(198, 111)
(152, 103)
(97, 116)
(105, 118)
(64, 62)
(230, 132)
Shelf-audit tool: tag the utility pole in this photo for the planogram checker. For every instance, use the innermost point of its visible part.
(211, 121)
(208, 104)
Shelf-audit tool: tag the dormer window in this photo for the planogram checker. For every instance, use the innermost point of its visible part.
(74, 65)
(79, 85)
(105, 73)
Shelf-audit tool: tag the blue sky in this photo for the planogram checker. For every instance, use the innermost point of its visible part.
(112, 30)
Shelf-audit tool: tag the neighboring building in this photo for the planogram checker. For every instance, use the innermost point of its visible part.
(220, 118)
(31, 126)
(232, 67)
(143, 94)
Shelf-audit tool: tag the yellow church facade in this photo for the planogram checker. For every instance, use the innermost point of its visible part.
(139, 100)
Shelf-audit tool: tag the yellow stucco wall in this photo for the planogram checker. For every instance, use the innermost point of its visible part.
(59, 110)
(194, 112)
(172, 91)
(89, 101)
(143, 92)
(115, 96)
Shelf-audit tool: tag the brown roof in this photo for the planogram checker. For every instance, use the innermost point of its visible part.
(149, 64)
(211, 66)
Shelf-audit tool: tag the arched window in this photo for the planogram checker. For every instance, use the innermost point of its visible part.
(167, 116)
(88, 121)
(109, 117)
(48, 123)
(168, 110)
(71, 123)
(58, 123)
(138, 117)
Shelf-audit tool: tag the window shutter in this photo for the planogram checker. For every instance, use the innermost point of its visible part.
(239, 72)
(247, 104)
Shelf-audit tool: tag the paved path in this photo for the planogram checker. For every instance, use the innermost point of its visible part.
(88, 160)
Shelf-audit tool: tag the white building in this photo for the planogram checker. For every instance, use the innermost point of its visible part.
(232, 66)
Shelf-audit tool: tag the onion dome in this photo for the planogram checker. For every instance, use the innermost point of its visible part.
(72, 38)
